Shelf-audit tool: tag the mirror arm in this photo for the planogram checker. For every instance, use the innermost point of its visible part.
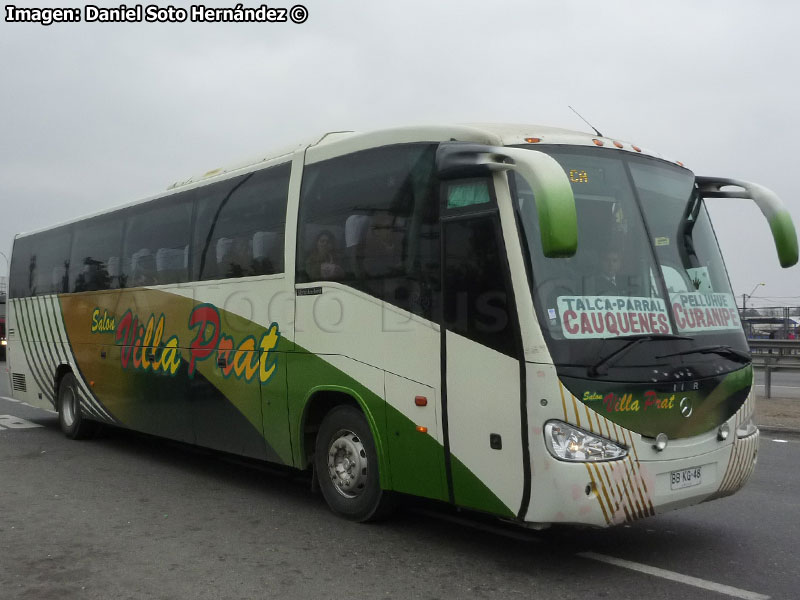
(555, 203)
(460, 160)
(779, 219)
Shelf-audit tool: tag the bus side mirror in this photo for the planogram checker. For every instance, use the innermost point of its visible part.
(779, 219)
(555, 202)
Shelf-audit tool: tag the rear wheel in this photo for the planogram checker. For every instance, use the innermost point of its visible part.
(346, 466)
(73, 423)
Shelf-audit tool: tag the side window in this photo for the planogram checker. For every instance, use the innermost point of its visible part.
(22, 276)
(156, 250)
(94, 264)
(52, 261)
(241, 224)
(370, 220)
(476, 302)
(39, 263)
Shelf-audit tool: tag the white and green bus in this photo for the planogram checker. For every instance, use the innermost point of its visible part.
(524, 321)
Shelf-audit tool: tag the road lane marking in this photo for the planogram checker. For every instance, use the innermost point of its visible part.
(29, 405)
(12, 422)
(781, 441)
(673, 576)
(783, 387)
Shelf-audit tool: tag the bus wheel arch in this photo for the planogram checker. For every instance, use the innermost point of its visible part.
(319, 404)
(347, 465)
(61, 371)
(70, 418)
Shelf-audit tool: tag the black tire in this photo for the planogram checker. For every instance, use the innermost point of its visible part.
(346, 466)
(74, 425)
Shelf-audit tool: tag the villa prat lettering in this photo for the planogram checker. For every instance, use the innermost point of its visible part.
(626, 402)
(146, 347)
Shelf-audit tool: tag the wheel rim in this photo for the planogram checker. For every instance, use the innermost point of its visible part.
(68, 406)
(347, 464)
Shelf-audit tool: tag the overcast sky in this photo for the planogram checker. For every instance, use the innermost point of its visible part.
(94, 115)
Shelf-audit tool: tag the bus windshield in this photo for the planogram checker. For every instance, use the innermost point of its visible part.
(647, 263)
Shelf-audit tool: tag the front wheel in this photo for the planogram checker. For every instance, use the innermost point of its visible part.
(346, 466)
(72, 422)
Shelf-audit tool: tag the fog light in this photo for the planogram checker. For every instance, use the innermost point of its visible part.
(723, 431)
(661, 442)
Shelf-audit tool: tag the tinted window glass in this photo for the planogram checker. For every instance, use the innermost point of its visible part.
(52, 261)
(23, 268)
(240, 225)
(477, 304)
(95, 260)
(157, 238)
(40, 263)
(370, 220)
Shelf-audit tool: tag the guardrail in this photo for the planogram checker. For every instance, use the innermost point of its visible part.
(774, 354)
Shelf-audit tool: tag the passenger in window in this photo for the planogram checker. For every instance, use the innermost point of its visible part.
(144, 269)
(236, 261)
(383, 255)
(265, 247)
(323, 261)
(262, 266)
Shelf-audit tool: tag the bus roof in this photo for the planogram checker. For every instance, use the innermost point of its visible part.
(343, 142)
(336, 143)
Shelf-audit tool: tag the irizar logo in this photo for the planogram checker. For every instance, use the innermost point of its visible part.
(686, 407)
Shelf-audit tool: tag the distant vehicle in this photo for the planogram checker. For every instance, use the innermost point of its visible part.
(526, 321)
(2, 339)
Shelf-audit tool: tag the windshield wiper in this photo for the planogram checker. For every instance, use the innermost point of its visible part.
(632, 340)
(721, 350)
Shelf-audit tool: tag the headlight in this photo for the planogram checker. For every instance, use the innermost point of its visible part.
(747, 428)
(566, 442)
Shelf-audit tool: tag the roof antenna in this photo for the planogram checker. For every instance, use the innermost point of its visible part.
(585, 121)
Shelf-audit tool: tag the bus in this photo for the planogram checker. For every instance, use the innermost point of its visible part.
(517, 320)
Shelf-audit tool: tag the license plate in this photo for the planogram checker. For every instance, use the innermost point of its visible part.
(685, 478)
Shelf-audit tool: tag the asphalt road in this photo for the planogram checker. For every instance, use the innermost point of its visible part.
(128, 516)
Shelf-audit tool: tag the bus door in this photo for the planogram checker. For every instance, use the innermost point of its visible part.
(481, 348)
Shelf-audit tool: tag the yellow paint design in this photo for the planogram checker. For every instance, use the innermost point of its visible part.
(598, 494)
